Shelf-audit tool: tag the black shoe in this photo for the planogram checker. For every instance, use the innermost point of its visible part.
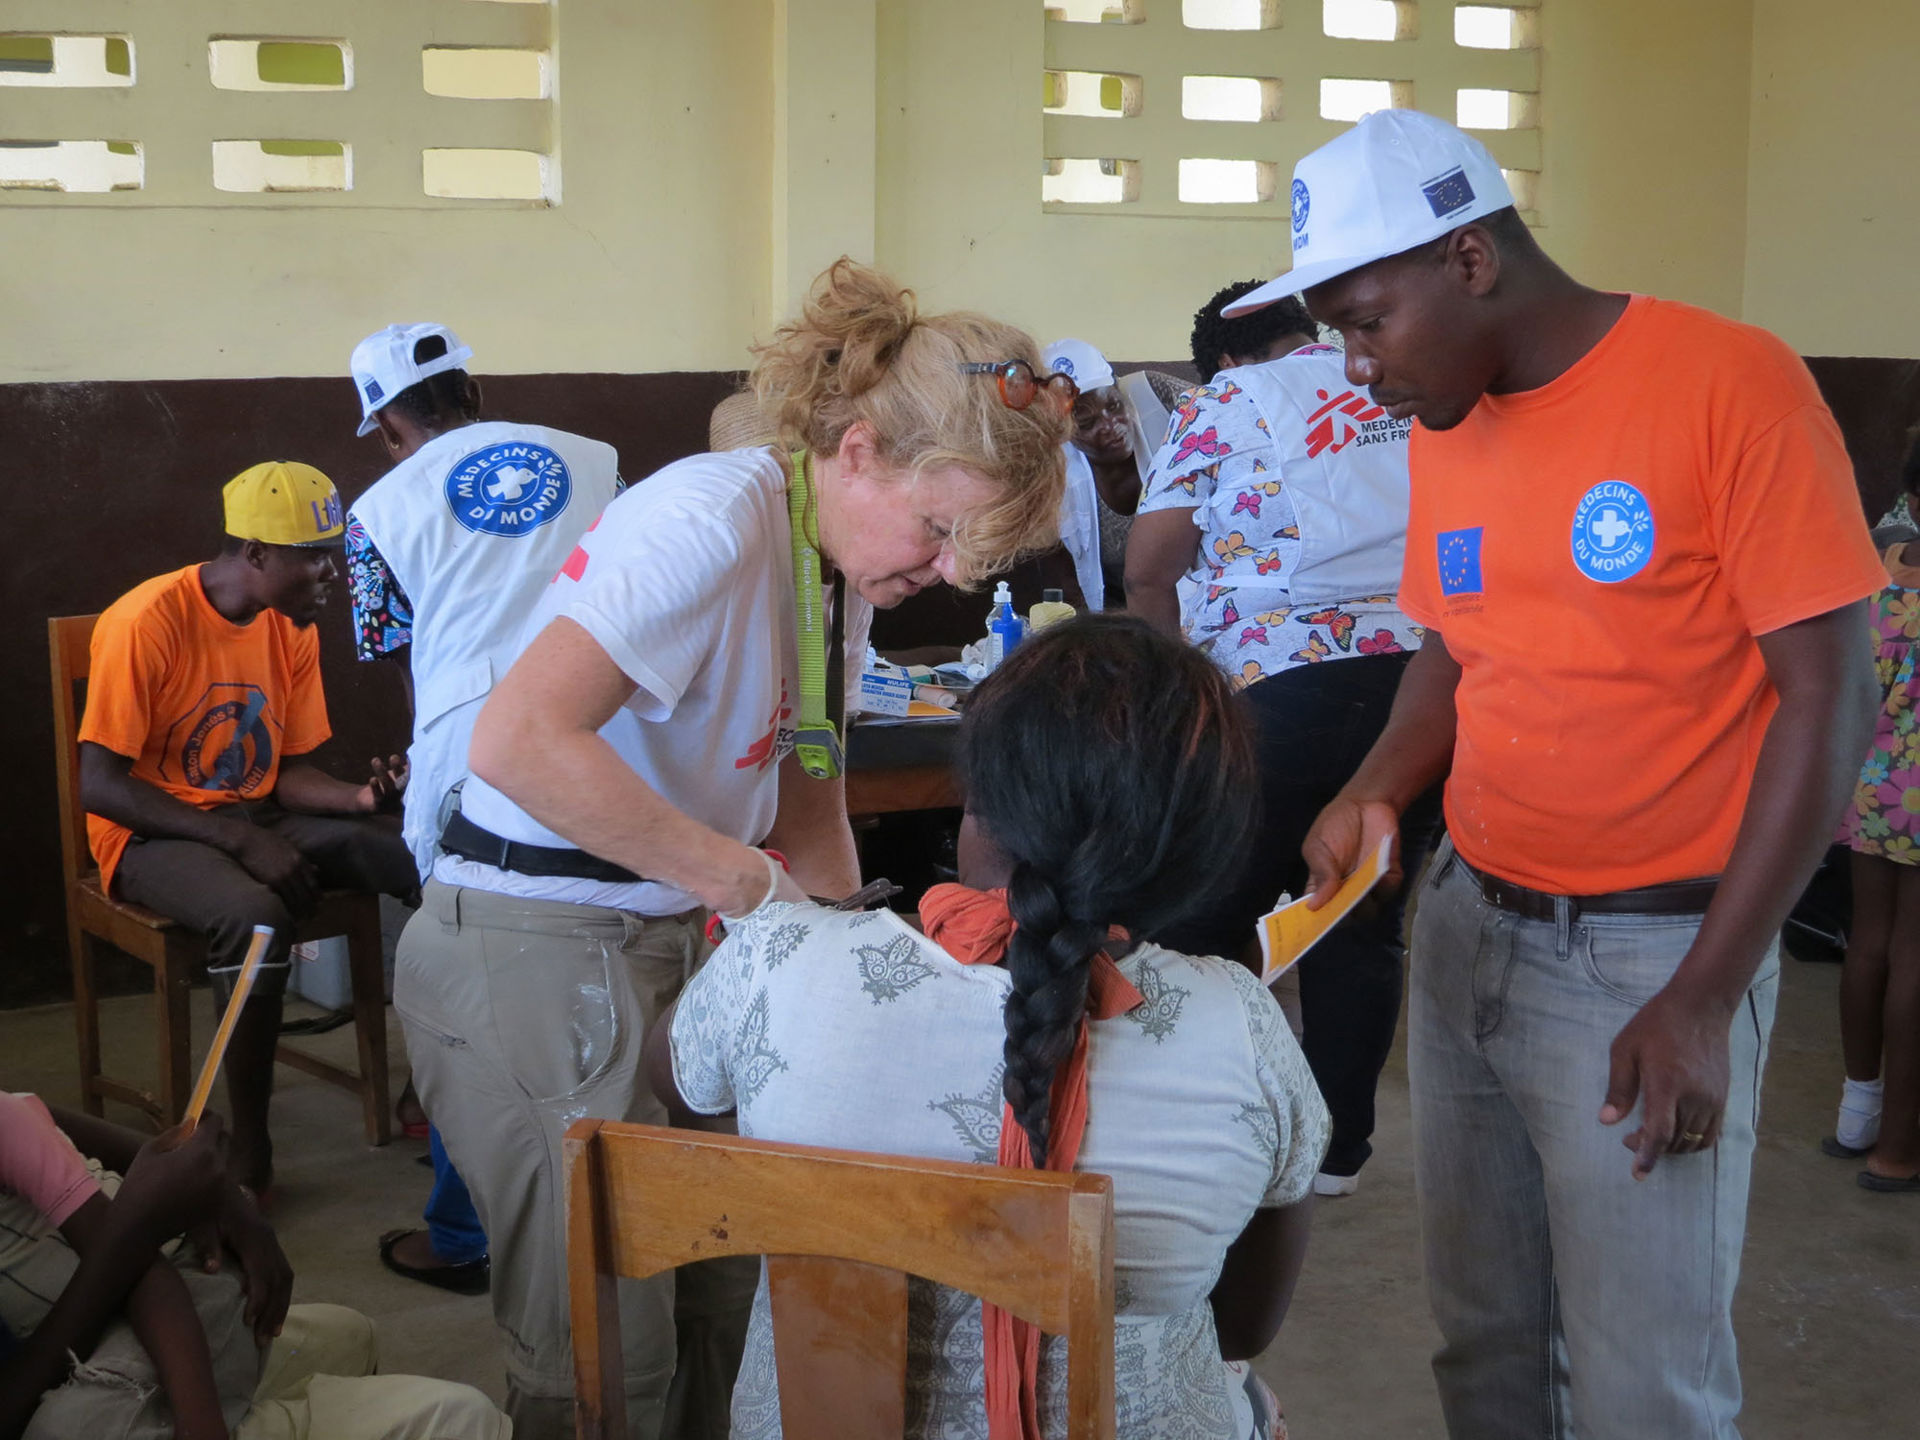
(469, 1277)
(1889, 1184)
(1832, 1146)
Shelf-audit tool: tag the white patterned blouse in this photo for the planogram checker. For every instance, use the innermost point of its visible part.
(856, 1031)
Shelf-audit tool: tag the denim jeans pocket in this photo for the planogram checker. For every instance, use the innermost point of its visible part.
(1632, 957)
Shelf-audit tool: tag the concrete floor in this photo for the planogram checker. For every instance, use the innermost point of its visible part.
(1829, 1307)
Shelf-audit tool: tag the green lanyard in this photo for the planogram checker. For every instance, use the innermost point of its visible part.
(822, 669)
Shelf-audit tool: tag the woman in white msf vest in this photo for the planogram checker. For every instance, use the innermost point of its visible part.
(627, 770)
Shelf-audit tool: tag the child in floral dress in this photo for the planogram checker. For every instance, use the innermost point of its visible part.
(1880, 981)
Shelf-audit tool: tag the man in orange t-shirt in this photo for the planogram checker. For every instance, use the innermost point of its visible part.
(1638, 554)
(205, 685)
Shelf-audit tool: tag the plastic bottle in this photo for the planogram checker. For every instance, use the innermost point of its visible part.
(1004, 628)
(1050, 611)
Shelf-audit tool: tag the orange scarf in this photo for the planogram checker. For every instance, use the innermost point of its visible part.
(974, 927)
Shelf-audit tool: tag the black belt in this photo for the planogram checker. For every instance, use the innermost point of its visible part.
(1680, 897)
(469, 841)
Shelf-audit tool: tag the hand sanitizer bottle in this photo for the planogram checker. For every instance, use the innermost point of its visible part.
(1004, 628)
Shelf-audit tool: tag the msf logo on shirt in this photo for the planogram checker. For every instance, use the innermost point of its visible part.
(508, 490)
(1347, 417)
(778, 739)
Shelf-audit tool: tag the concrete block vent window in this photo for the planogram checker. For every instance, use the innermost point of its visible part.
(1187, 107)
(449, 108)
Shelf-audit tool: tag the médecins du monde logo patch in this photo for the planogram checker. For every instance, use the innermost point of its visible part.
(1612, 532)
(508, 489)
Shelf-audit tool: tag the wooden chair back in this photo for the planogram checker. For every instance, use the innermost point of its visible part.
(70, 652)
(841, 1231)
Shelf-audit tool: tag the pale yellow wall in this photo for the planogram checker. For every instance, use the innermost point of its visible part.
(1833, 206)
(715, 154)
(1642, 152)
(656, 259)
(1645, 121)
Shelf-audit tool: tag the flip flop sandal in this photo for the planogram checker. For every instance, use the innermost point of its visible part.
(1831, 1146)
(1889, 1184)
(470, 1277)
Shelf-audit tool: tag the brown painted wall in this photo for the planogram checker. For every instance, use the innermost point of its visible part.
(103, 485)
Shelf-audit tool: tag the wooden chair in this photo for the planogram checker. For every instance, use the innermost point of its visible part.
(174, 952)
(842, 1230)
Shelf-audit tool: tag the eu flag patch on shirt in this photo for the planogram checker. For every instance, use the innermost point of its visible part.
(1460, 561)
(1450, 192)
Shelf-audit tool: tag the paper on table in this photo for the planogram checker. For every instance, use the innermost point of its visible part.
(1289, 932)
(242, 987)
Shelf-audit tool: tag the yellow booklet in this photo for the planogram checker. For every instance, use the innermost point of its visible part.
(1290, 931)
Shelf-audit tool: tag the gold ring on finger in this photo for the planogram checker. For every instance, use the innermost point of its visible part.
(1692, 1137)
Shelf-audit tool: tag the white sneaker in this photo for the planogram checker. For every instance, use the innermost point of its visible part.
(1335, 1185)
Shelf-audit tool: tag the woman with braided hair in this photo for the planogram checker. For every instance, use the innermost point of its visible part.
(1036, 1023)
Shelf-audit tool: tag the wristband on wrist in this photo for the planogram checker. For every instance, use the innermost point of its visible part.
(773, 888)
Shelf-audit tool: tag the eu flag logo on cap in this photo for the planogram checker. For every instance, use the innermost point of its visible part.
(373, 391)
(1449, 193)
(1460, 561)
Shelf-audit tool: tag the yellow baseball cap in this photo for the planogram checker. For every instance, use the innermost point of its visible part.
(283, 502)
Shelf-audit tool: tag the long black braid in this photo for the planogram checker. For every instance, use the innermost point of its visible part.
(1112, 766)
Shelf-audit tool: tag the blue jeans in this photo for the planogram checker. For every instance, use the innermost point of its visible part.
(453, 1226)
(1569, 1296)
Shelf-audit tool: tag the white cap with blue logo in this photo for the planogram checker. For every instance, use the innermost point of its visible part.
(1079, 362)
(383, 364)
(1396, 180)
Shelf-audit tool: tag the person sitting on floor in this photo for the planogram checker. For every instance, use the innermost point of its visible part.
(205, 686)
(208, 1346)
(1036, 1023)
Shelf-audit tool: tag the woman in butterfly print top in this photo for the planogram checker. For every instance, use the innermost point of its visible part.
(1245, 458)
(855, 1031)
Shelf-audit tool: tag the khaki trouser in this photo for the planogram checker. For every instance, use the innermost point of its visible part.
(523, 1016)
(315, 1381)
(318, 1383)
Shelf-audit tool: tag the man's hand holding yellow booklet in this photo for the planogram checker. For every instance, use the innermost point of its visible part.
(1290, 931)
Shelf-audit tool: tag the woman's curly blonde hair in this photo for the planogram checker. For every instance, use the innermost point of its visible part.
(861, 350)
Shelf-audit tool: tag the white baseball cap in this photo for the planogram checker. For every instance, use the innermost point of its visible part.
(1396, 180)
(383, 364)
(1079, 362)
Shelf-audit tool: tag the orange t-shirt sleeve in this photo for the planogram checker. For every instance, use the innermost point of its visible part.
(307, 728)
(1418, 597)
(1793, 543)
(127, 663)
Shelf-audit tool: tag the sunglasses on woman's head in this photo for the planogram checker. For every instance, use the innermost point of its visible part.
(1019, 384)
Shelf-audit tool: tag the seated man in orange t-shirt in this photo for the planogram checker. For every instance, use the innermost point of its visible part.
(1638, 554)
(205, 683)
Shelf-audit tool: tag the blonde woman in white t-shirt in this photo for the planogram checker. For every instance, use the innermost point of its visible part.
(627, 770)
